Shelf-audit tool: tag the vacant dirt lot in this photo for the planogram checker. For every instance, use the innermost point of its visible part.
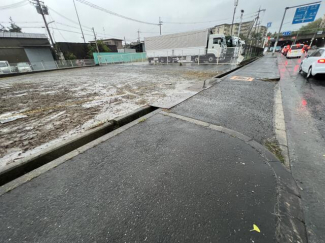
(39, 110)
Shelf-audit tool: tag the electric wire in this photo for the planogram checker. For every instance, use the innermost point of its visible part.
(113, 13)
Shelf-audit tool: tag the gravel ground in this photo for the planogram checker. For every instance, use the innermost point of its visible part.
(39, 110)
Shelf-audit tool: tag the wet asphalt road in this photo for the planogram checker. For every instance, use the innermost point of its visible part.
(163, 180)
(304, 110)
(244, 106)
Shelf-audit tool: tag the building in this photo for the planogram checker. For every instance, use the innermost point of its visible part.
(112, 42)
(27, 47)
(261, 29)
(79, 50)
(226, 28)
(138, 46)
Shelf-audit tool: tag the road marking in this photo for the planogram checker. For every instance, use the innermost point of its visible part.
(255, 228)
(242, 78)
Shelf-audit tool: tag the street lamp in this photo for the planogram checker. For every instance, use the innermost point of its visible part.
(233, 18)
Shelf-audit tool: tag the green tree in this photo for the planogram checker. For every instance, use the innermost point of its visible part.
(92, 48)
(69, 56)
(3, 28)
(13, 27)
(244, 38)
(311, 27)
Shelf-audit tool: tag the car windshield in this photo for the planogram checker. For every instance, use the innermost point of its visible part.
(23, 64)
(3, 64)
(297, 47)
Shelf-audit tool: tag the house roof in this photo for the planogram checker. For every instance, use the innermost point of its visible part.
(22, 35)
(112, 39)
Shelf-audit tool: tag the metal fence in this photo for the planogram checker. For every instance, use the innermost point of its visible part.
(23, 67)
(201, 56)
(104, 58)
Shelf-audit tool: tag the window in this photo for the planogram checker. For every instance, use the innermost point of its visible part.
(217, 41)
(297, 47)
(3, 64)
(316, 54)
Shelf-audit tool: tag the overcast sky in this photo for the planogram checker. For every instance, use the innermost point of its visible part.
(179, 11)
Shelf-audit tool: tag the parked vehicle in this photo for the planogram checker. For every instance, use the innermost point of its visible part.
(314, 63)
(193, 46)
(277, 49)
(295, 51)
(4, 67)
(23, 67)
(285, 50)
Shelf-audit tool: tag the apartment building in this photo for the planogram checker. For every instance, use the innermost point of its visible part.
(245, 28)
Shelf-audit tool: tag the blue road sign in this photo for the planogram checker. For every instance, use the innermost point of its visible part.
(269, 25)
(305, 14)
(286, 33)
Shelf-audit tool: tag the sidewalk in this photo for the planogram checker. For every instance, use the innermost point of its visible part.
(169, 178)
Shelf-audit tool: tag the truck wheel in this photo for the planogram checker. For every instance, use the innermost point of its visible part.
(211, 59)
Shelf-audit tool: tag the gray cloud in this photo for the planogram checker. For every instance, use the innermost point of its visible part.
(219, 11)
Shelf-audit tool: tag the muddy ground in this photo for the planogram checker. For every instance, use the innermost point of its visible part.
(39, 110)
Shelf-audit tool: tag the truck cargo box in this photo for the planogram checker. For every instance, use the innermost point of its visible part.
(181, 44)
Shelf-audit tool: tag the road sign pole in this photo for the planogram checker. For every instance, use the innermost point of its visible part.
(277, 38)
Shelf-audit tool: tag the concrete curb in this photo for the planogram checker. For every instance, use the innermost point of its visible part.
(30, 163)
(280, 127)
(48, 166)
(41, 71)
(290, 223)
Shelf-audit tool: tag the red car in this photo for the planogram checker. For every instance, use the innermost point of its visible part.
(285, 50)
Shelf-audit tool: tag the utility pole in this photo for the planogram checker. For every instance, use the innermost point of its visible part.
(46, 25)
(95, 40)
(124, 44)
(258, 24)
(160, 24)
(241, 20)
(233, 17)
(83, 36)
(139, 36)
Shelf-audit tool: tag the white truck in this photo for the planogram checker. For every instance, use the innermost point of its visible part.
(193, 46)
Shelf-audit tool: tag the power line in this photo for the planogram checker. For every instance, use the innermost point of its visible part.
(211, 21)
(85, 34)
(113, 13)
(14, 5)
(33, 22)
(72, 21)
(57, 27)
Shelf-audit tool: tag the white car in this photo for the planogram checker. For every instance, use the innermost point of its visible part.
(295, 51)
(314, 63)
(5, 67)
(24, 67)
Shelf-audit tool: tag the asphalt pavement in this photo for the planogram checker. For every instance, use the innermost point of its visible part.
(304, 109)
(173, 176)
(244, 106)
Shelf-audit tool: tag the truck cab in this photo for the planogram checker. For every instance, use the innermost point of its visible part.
(217, 45)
